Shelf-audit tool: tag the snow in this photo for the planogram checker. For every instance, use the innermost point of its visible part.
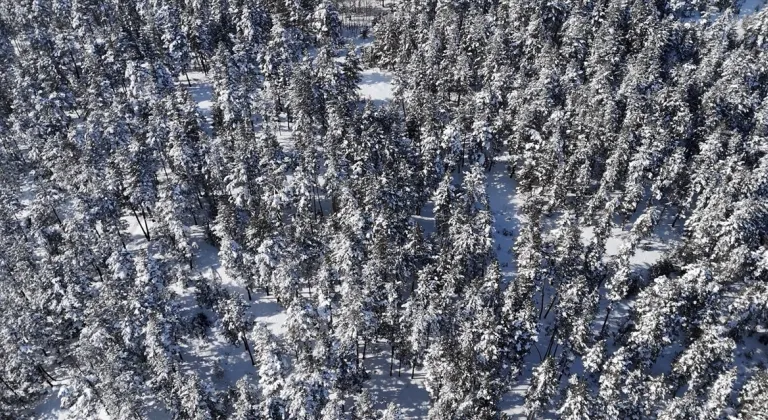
(49, 410)
(376, 85)
(409, 393)
(200, 88)
(263, 308)
(504, 203)
(748, 7)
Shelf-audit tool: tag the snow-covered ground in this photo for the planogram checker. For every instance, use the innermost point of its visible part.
(749, 7)
(376, 85)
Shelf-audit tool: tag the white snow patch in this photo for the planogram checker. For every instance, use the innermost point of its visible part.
(376, 85)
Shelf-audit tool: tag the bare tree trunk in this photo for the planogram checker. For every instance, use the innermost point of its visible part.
(45, 375)
(202, 63)
(9, 387)
(146, 235)
(288, 118)
(97, 270)
(551, 341)
(605, 321)
(74, 62)
(57, 216)
(248, 348)
(391, 357)
(551, 305)
(677, 216)
(146, 225)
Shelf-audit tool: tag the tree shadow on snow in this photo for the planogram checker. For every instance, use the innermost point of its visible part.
(409, 393)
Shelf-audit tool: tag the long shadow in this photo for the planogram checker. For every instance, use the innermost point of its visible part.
(376, 86)
(409, 393)
(374, 76)
(207, 262)
(201, 92)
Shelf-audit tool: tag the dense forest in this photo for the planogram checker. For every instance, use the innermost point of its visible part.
(296, 250)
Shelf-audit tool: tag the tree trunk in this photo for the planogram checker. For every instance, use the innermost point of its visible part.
(117, 228)
(90, 384)
(146, 235)
(98, 271)
(550, 306)
(202, 63)
(357, 354)
(197, 196)
(248, 348)
(57, 216)
(288, 118)
(605, 321)
(44, 375)
(146, 225)
(9, 387)
(551, 341)
(391, 357)
(677, 216)
(74, 63)
(314, 204)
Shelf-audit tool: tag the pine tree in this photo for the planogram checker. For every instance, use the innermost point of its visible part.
(246, 400)
(577, 404)
(271, 369)
(752, 399)
(327, 23)
(197, 401)
(392, 412)
(363, 408)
